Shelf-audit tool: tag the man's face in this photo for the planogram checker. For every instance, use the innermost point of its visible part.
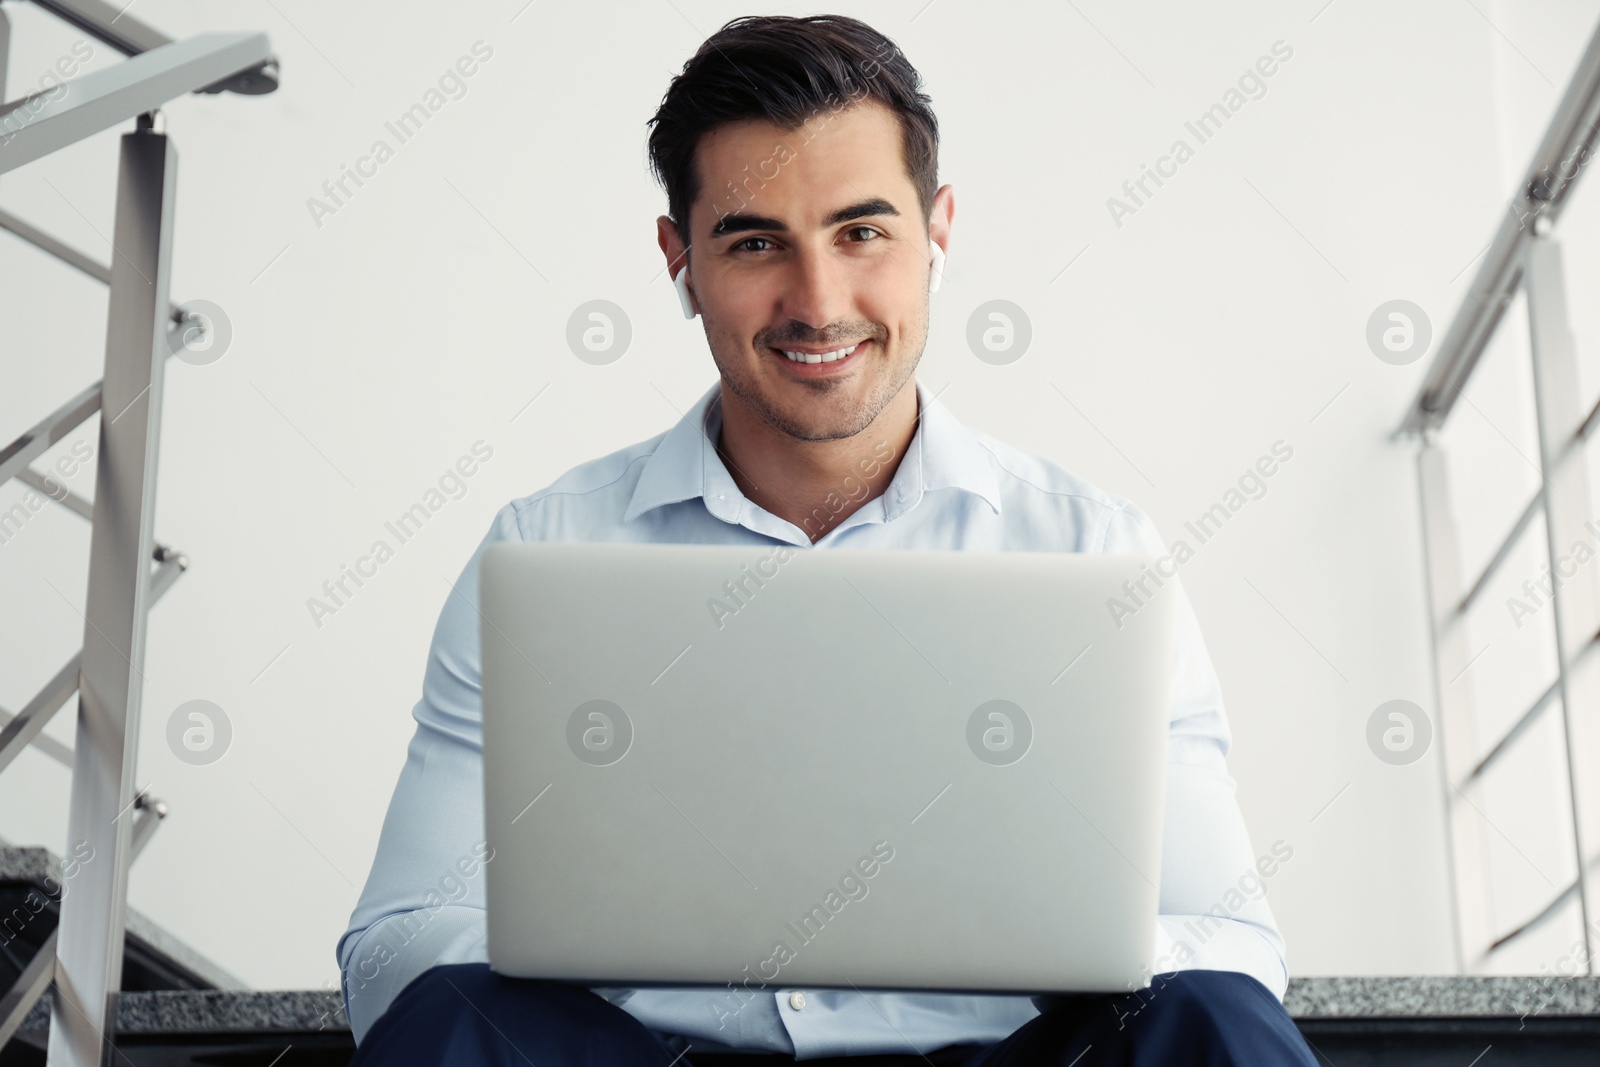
(819, 244)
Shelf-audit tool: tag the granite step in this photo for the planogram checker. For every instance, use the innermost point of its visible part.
(1416, 1021)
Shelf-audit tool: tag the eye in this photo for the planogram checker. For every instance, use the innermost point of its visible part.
(861, 229)
(739, 246)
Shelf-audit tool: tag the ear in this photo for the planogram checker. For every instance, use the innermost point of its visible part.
(677, 263)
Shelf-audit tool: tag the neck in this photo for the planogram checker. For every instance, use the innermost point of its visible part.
(815, 485)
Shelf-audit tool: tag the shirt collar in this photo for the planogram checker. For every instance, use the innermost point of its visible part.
(944, 454)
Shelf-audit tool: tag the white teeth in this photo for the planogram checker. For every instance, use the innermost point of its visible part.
(821, 357)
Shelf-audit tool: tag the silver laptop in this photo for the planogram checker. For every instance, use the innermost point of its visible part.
(849, 768)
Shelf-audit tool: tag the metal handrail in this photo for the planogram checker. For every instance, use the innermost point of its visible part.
(105, 98)
(128, 35)
(1568, 145)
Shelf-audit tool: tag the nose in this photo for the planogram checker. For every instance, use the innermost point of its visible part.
(817, 288)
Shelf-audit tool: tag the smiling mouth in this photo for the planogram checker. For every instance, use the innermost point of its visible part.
(837, 355)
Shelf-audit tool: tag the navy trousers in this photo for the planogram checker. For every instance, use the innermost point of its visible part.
(464, 1014)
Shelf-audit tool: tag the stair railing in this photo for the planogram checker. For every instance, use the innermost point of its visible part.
(128, 570)
(1524, 256)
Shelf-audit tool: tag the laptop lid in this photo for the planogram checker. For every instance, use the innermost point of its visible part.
(889, 769)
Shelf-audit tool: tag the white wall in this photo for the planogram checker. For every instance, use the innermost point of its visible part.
(372, 350)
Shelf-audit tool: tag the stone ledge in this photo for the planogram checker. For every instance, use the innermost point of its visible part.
(1364, 998)
(1442, 996)
(219, 1011)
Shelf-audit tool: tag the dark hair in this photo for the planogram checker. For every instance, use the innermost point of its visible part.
(786, 70)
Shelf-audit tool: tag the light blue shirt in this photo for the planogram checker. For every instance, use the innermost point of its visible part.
(955, 490)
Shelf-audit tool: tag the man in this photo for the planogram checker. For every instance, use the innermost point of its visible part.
(799, 159)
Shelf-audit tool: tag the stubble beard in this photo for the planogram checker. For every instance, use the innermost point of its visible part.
(853, 422)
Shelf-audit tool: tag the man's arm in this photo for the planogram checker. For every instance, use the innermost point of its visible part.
(1214, 913)
(424, 903)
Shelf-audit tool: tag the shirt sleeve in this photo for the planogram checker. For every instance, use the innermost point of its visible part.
(1214, 913)
(424, 903)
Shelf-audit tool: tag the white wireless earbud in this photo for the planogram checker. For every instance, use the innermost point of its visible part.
(681, 283)
(938, 268)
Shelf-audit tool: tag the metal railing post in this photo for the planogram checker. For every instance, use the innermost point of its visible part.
(1465, 845)
(89, 956)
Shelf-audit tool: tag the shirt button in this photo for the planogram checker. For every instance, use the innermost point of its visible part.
(797, 1000)
(721, 497)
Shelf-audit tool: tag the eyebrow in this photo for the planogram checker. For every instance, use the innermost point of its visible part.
(739, 222)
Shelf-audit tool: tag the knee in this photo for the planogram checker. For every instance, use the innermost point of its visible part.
(1228, 1012)
(462, 1012)
(469, 988)
(1210, 990)
(1182, 1017)
(1198, 995)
